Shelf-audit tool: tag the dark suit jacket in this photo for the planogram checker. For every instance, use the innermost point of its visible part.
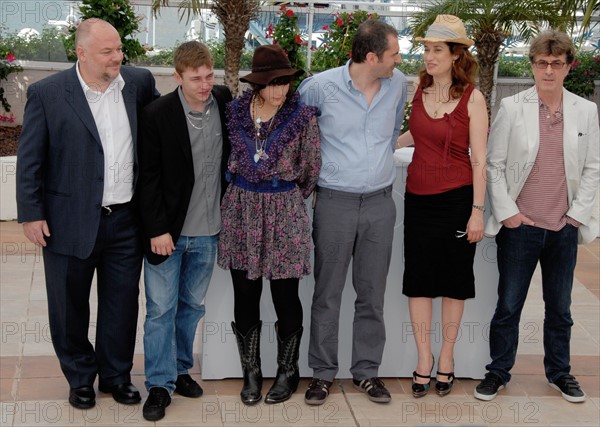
(60, 160)
(166, 166)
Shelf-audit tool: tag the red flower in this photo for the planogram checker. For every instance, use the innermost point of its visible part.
(298, 39)
(282, 7)
(269, 31)
(10, 57)
(339, 22)
(289, 13)
(326, 27)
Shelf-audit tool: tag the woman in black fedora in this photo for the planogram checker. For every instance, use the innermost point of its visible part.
(274, 165)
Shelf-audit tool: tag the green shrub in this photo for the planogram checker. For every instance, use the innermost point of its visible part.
(584, 70)
(411, 64)
(164, 57)
(337, 41)
(514, 67)
(120, 14)
(7, 66)
(48, 46)
(286, 34)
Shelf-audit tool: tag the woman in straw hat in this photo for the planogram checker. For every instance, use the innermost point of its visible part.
(445, 191)
(274, 165)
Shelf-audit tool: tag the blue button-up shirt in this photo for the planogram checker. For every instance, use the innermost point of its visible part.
(357, 139)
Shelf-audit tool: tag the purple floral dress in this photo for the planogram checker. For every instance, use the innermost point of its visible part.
(266, 229)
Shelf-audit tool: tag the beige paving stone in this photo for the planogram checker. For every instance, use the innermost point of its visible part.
(406, 410)
(47, 413)
(7, 410)
(541, 411)
(557, 411)
(107, 412)
(10, 344)
(204, 411)
(334, 411)
(37, 343)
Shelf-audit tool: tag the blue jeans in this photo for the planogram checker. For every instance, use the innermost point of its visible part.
(175, 291)
(519, 250)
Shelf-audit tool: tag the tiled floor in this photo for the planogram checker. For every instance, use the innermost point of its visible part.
(33, 391)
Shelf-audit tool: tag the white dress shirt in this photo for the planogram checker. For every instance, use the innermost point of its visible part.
(108, 109)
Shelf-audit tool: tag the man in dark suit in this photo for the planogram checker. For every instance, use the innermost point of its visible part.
(183, 154)
(76, 172)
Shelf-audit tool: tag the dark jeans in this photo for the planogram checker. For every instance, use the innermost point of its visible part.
(519, 250)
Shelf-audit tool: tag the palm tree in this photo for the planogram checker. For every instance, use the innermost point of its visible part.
(234, 16)
(489, 23)
(569, 9)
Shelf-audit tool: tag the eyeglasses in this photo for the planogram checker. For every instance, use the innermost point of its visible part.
(542, 65)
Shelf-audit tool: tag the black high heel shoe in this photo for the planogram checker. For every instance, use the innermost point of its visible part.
(420, 390)
(442, 388)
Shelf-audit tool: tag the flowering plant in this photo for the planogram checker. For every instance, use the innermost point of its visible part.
(7, 66)
(584, 70)
(286, 34)
(337, 41)
(407, 109)
(121, 15)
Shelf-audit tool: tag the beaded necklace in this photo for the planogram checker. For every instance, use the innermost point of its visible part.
(260, 144)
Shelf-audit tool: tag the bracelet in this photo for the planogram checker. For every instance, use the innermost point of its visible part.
(479, 207)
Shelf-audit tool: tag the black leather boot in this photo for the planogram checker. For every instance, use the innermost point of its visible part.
(249, 347)
(288, 373)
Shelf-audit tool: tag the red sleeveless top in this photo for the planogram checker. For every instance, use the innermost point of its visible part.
(441, 160)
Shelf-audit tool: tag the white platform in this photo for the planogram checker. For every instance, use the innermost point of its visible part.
(220, 355)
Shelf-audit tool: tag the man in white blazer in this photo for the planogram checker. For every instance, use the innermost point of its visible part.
(542, 171)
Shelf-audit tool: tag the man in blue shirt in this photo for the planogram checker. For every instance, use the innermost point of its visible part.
(361, 110)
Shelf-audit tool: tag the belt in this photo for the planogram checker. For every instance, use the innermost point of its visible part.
(107, 210)
(272, 186)
(356, 196)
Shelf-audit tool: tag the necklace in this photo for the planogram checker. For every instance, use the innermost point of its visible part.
(193, 117)
(260, 144)
(437, 105)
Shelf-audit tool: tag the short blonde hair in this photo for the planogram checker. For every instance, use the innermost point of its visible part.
(192, 55)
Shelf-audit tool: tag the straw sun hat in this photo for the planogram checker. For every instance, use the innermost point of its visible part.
(446, 28)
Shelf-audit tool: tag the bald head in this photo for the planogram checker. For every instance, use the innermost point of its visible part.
(99, 54)
(90, 28)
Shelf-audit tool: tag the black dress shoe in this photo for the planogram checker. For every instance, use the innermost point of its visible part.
(317, 392)
(82, 397)
(187, 387)
(154, 407)
(124, 393)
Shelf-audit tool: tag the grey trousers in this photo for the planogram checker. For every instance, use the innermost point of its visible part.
(359, 227)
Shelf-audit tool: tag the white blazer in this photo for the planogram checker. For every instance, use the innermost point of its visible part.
(513, 147)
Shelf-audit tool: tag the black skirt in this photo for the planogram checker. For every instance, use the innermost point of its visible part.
(438, 263)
